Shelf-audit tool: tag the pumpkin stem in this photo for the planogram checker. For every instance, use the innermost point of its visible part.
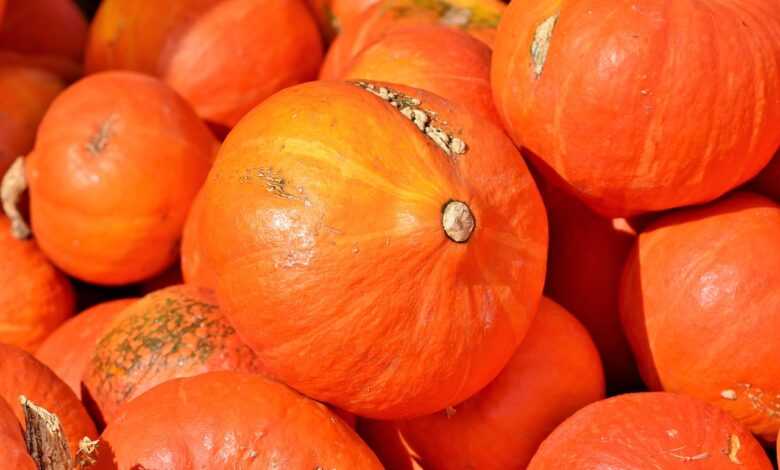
(14, 184)
(458, 221)
(44, 437)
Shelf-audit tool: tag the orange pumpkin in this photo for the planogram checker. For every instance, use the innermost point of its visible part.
(35, 298)
(118, 159)
(229, 420)
(22, 374)
(13, 451)
(345, 12)
(25, 94)
(329, 188)
(223, 56)
(768, 181)
(477, 17)
(386, 441)
(71, 346)
(717, 268)
(555, 372)
(642, 106)
(650, 430)
(195, 269)
(175, 332)
(53, 28)
(444, 61)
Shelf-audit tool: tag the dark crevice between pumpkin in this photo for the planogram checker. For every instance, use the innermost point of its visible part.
(457, 221)
(12, 187)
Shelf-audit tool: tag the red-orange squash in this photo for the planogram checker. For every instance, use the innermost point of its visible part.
(700, 302)
(223, 56)
(71, 346)
(35, 298)
(650, 431)
(445, 61)
(642, 106)
(477, 17)
(352, 244)
(22, 374)
(195, 269)
(555, 372)
(118, 159)
(768, 181)
(13, 451)
(230, 420)
(386, 441)
(175, 332)
(48, 28)
(25, 94)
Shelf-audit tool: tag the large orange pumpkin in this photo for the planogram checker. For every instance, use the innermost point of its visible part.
(71, 346)
(22, 374)
(353, 243)
(229, 420)
(13, 451)
(223, 56)
(53, 28)
(175, 332)
(195, 269)
(25, 94)
(445, 61)
(650, 430)
(118, 159)
(477, 17)
(642, 106)
(700, 303)
(35, 298)
(768, 181)
(555, 372)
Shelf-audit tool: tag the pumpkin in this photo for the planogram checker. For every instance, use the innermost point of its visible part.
(650, 430)
(768, 181)
(48, 28)
(71, 346)
(118, 159)
(477, 17)
(609, 99)
(35, 298)
(176, 332)
(555, 372)
(386, 441)
(587, 255)
(444, 61)
(195, 269)
(329, 188)
(22, 374)
(25, 94)
(722, 285)
(345, 12)
(206, 49)
(229, 420)
(13, 451)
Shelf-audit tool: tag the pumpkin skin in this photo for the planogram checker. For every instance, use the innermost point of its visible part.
(195, 269)
(102, 139)
(555, 372)
(768, 181)
(630, 127)
(229, 420)
(172, 333)
(71, 346)
(44, 28)
(386, 441)
(25, 94)
(296, 244)
(13, 451)
(22, 374)
(35, 298)
(444, 61)
(641, 431)
(199, 48)
(477, 17)
(723, 286)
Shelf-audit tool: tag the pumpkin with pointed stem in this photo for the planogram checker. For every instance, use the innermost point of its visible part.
(642, 106)
(441, 269)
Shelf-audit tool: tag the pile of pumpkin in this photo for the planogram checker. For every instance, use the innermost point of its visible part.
(402, 234)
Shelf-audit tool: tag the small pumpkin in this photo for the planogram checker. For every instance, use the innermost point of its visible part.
(768, 181)
(176, 332)
(386, 441)
(606, 96)
(229, 420)
(35, 298)
(717, 268)
(195, 269)
(25, 94)
(327, 188)
(445, 61)
(22, 374)
(107, 137)
(13, 450)
(477, 17)
(70, 347)
(207, 50)
(650, 430)
(555, 372)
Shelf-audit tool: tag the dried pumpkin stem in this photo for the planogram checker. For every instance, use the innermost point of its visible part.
(14, 184)
(458, 221)
(44, 438)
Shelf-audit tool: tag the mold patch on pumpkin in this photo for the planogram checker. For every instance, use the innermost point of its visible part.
(99, 140)
(761, 401)
(540, 46)
(733, 449)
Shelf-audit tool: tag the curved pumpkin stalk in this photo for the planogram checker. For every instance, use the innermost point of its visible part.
(14, 184)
